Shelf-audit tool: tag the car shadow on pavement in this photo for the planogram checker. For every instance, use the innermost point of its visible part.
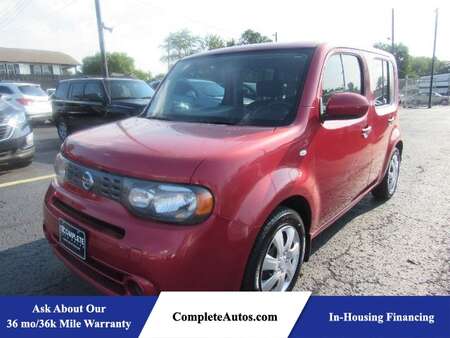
(367, 204)
(32, 269)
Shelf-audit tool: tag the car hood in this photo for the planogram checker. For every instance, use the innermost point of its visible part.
(158, 150)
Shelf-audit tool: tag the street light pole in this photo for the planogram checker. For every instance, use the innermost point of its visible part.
(101, 39)
(392, 32)
(433, 59)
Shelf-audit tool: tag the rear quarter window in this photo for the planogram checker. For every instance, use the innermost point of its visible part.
(32, 90)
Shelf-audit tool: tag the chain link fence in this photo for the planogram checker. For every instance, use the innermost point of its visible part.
(415, 92)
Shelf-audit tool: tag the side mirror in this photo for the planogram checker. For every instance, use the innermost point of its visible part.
(343, 106)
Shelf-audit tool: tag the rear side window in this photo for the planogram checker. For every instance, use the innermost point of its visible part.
(93, 91)
(32, 90)
(62, 90)
(382, 82)
(76, 92)
(5, 90)
(342, 74)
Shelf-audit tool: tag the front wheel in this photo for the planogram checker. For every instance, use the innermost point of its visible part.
(62, 129)
(387, 187)
(278, 253)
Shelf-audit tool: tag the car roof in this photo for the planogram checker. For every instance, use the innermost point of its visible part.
(289, 45)
(100, 79)
(19, 83)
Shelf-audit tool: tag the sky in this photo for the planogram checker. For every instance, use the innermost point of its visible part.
(140, 26)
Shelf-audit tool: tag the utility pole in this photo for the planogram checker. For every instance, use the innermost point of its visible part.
(433, 59)
(276, 36)
(392, 32)
(168, 55)
(101, 39)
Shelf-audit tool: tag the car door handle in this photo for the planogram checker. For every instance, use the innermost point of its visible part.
(391, 119)
(366, 131)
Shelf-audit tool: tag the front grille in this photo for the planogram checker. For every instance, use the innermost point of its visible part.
(105, 184)
(5, 132)
(99, 225)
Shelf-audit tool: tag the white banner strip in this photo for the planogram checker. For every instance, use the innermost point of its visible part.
(224, 314)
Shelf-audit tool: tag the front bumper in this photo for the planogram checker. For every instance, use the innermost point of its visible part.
(127, 255)
(15, 149)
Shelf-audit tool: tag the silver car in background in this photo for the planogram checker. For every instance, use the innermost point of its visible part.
(28, 97)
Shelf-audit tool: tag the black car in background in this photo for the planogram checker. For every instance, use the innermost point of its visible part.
(16, 136)
(87, 102)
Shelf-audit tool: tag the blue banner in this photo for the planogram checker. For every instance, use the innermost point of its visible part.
(177, 315)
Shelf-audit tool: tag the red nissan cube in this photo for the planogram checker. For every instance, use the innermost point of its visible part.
(243, 156)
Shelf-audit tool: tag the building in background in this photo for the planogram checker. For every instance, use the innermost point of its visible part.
(441, 84)
(38, 66)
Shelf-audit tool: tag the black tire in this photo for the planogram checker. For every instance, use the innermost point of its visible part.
(383, 191)
(281, 217)
(62, 128)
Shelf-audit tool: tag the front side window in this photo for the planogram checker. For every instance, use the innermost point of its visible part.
(342, 74)
(248, 88)
(382, 82)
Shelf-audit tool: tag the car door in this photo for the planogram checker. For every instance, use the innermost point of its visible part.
(342, 150)
(384, 111)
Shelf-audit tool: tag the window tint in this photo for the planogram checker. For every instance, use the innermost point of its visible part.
(94, 91)
(333, 78)
(5, 90)
(129, 89)
(32, 90)
(77, 91)
(352, 73)
(382, 81)
(62, 90)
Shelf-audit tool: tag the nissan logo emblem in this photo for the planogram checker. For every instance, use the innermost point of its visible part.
(87, 181)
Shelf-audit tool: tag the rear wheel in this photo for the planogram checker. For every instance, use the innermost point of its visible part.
(386, 189)
(278, 254)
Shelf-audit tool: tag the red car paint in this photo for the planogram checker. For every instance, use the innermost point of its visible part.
(249, 170)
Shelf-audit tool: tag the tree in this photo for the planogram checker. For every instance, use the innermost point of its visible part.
(250, 36)
(180, 44)
(213, 41)
(402, 57)
(117, 63)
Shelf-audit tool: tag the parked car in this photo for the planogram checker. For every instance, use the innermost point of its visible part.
(83, 103)
(228, 194)
(420, 99)
(154, 84)
(29, 97)
(16, 135)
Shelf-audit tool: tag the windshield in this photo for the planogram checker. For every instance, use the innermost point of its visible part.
(129, 89)
(32, 90)
(249, 88)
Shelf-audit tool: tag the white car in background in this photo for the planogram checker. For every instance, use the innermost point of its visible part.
(29, 97)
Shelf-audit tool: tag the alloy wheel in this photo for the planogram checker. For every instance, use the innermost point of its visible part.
(281, 260)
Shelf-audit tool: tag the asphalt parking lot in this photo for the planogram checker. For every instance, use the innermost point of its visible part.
(401, 247)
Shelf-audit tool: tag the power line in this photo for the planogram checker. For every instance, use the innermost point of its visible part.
(19, 8)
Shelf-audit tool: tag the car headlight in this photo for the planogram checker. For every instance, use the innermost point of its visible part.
(60, 168)
(173, 203)
(17, 120)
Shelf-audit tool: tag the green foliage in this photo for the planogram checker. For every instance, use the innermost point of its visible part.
(402, 57)
(179, 45)
(250, 36)
(118, 63)
(413, 66)
(212, 41)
